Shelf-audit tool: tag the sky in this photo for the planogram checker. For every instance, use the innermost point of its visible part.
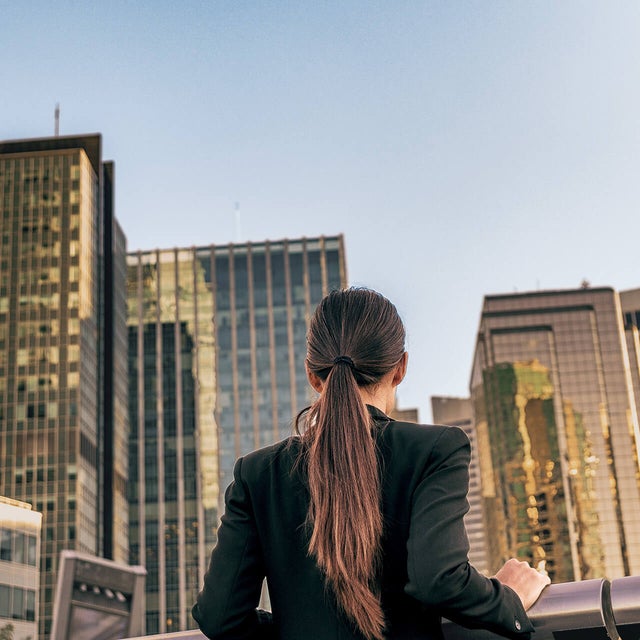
(462, 148)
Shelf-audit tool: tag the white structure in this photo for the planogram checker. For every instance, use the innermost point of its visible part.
(457, 412)
(20, 529)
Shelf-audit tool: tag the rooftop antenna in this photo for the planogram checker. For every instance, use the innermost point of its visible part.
(236, 209)
(56, 129)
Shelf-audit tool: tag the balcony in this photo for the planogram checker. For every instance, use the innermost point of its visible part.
(587, 610)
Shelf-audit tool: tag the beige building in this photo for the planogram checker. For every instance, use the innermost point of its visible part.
(20, 530)
(457, 412)
(405, 415)
(555, 399)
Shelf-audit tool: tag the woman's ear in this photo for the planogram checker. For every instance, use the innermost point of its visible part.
(401, 370)
(314, 380)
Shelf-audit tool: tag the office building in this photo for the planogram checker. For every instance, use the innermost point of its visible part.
(20, 529)
(630, 306)
(458, 412)
(555, 406)
(217, 342)
(63, 404)
(404, 415)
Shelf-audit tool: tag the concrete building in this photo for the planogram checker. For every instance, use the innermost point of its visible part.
(217, 342)
(630, 307)
(555, 399)
(458, 412)
(405, 415)
(63, 403)
(20, 532)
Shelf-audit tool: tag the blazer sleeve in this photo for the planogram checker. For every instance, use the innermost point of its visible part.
(226, 606)
(440, 575)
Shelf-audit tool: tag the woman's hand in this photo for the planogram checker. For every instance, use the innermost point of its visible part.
(524, 580)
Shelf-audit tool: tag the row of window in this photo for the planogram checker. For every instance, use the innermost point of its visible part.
(17, 546)
(17, 603)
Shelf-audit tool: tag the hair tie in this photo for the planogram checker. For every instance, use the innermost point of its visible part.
(344, 360)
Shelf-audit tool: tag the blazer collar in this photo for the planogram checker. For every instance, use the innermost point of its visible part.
(378, 415)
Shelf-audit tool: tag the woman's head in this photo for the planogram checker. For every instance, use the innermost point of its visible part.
(356, 324)
(355, 343)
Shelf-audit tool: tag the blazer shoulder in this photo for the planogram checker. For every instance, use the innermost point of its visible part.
(266, 459)
(425, 434)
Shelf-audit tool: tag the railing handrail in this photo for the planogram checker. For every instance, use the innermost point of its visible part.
(597, 604)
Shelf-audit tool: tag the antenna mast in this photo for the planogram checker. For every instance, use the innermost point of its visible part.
(237, 222)
(56, 129)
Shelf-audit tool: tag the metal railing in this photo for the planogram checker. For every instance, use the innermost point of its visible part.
(587, 610)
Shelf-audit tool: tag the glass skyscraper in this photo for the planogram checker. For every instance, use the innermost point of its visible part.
(555, 397)
(63, 403)
(217, 342)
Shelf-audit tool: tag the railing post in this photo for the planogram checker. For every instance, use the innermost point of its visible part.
(625, 603)
(575, 610)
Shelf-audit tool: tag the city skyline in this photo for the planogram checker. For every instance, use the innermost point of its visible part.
(461, 149)
(130, 383)
(62, 309)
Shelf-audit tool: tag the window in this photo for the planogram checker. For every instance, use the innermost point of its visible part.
(31, 550)
(30, 609)
(5, 601)
(17, 610)
(19, 540)
(5, 546)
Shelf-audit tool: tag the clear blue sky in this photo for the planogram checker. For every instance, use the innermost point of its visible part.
(463, 148)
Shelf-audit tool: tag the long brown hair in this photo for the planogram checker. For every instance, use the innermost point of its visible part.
(355, 338)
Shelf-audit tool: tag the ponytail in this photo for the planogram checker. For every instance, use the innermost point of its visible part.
(349, 346)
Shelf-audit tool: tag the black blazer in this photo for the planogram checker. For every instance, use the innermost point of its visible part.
(425, 572)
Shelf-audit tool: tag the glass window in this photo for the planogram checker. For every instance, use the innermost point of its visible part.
(5, 601)
(74, 326)
(277, 279)
(5, 545)
(30, 610)
(333, 270)
(31, 550)
(17, 610)
(18, 547)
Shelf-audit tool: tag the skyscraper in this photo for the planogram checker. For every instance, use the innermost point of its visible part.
(556, 417)
(63, 404)
(458, 412)
(217, 342)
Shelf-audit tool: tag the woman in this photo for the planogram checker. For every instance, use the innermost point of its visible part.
(357, 521)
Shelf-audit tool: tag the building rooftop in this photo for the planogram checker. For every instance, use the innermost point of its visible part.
(91, 143)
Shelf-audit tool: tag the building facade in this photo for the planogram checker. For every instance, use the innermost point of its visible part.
(217, 342)
(630, 306)
(405, 415)
(555, 396)
(63, 403)
(458, 412)
(20, 534)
